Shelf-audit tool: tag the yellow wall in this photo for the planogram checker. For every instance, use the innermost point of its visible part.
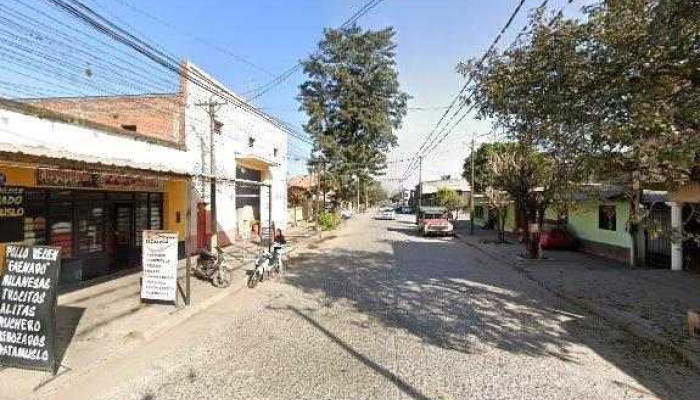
(174, 196)
(18, 176)
(175, 200)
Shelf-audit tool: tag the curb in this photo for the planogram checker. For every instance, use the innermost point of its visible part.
(180, 315)
(627, 324)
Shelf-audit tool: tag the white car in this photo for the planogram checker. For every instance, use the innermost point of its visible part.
(386, 213)
(346, 214)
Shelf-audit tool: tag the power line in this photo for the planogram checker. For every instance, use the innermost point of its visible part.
(497, 39)
(265, 88)
(436, 142)
(100, 23)
(431, 142)
(179, 30)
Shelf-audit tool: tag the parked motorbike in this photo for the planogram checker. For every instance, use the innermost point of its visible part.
(265, 265)
(214, 267)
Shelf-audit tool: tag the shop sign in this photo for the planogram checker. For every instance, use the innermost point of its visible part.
(28, 307)
(159, 261)
(96, 180)
(11, 214)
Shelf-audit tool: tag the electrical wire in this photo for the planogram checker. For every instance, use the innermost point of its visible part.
(432, 141)
(267, 87)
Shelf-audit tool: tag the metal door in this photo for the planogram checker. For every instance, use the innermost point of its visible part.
(657, 238)
(123, 220)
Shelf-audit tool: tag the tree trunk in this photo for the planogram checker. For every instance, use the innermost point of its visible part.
(634, 220)
(534, 228)
(498, 223)
(504, 213)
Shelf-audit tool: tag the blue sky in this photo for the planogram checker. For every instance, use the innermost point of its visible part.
(433, 36)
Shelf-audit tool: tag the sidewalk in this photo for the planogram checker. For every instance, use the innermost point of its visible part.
(652, 304)
(105, 319)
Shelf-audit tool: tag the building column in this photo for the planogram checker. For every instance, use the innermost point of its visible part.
(677, 243)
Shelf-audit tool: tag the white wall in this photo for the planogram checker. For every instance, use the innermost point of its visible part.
(239, 124)
(36, 136)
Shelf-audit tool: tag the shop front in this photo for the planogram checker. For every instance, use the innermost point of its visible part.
(96, 218)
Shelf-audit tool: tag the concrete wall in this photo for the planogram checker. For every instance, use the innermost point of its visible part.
(233, 144)
(22, 131)
(583, 221)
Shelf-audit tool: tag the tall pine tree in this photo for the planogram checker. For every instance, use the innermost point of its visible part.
(354, 103)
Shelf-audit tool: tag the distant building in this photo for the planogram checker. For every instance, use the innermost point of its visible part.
(428, 189)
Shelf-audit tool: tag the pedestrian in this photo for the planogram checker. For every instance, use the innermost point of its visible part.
(279, 237)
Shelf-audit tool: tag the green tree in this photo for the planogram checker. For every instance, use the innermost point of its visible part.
(543, 160)
(376, 193)
(449, 198)
(482, 169)
(354, 103)
(615, 93)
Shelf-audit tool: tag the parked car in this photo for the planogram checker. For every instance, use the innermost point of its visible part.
(386, 213)
(434, 221)
(403, 210)
(346, 214)
(558, 238)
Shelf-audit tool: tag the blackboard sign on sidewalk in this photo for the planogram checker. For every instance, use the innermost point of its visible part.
(11, 214)
(28, 307)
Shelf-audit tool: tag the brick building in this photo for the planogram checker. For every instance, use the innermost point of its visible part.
(157, 116)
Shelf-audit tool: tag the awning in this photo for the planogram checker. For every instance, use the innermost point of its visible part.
(24, 133)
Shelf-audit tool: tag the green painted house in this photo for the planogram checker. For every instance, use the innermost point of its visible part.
(599, 220)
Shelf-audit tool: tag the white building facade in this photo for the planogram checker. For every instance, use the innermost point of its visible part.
(249, 146)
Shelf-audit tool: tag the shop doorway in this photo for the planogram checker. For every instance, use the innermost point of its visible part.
(202, 227)
(121, 245)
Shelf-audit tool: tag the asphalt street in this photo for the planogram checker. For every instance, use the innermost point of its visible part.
(374, 311)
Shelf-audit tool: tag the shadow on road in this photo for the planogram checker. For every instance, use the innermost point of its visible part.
(459, 300)
(396, 380)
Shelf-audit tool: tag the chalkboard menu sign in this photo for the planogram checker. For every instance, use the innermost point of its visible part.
(11, 214)
(159, 276)
(28, 307)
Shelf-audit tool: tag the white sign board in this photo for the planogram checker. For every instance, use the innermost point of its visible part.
(159, 275)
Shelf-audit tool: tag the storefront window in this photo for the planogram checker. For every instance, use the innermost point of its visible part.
(35, 217)
(156, 217)
(141, 217)
(60, 212)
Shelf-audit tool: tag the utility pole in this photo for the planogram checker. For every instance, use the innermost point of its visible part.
(212, 108)
(471, 191)
(323, 176)
(358, 193)
(317, 211)
(420, 184)
(366, 198)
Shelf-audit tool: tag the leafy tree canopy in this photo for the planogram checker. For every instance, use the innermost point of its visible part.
(449, 198)
(353, 100)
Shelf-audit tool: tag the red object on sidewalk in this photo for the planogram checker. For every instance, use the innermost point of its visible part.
(557, 240)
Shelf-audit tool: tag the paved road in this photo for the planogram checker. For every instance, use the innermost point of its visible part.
(375, 312)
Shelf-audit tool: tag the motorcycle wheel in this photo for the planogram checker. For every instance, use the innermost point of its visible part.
(222, 279)
(203, 270)
(253, 280)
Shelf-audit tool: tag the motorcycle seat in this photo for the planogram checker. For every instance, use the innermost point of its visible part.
(206, 255)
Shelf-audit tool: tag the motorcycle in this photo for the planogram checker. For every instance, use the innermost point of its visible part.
(214, 267)
(266, 264)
